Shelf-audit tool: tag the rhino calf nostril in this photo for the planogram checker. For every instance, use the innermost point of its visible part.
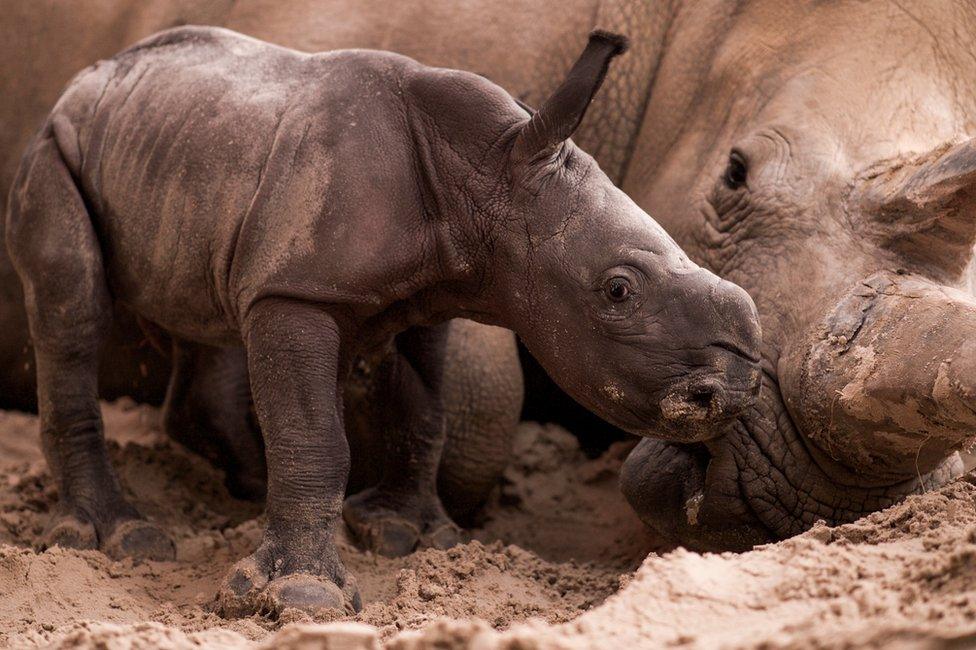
(691, 404)
(701, 397)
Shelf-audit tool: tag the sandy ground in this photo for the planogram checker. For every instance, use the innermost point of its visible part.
(557, 563)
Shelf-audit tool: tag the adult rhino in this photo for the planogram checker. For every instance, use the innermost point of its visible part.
(814, 153)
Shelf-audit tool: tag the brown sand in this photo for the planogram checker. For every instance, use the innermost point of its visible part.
(905, 577)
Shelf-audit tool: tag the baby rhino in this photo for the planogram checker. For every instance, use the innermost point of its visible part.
(309, 208)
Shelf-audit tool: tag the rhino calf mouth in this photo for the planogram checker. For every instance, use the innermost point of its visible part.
(702, 403)
(705, 400)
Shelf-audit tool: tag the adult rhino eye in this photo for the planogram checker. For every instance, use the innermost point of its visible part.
(617, 289)
(736, 171)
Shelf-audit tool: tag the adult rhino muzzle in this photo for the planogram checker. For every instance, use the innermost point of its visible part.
(889, 387)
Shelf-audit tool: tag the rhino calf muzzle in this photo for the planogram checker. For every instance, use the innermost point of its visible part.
(312, 208)
(724, 373)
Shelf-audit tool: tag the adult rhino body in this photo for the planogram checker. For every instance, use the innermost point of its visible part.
(847, 121)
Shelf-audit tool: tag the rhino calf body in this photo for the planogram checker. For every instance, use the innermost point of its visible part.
(312, 207)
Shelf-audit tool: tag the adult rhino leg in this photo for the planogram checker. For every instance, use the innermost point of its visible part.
(403, 511)
(57, 256)
(208, 410)
(482, 400)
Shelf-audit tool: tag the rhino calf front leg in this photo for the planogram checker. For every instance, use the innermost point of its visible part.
(293, 353)
(403, 512)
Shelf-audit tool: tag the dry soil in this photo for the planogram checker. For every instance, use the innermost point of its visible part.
(558, 562)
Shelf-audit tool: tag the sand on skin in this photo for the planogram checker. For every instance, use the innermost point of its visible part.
(905, 577)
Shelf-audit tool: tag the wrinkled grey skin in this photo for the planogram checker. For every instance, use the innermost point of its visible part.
(856, 87)
(361, 194)
(853, 231)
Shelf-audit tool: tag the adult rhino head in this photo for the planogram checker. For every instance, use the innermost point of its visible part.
(827, 151)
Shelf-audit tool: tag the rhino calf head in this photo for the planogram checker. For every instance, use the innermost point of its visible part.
(600, 293)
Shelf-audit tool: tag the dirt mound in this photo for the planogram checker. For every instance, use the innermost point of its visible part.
(555, 544)
(568, 538)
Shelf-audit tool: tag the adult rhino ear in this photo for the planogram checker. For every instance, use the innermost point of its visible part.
(926, 209)
(560, 115)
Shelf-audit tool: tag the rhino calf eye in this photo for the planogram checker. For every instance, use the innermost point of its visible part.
(617, 289)
(736, 172)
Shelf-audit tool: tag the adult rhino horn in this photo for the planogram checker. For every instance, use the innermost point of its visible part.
(560, 115)
(926, 209)
(887, 386)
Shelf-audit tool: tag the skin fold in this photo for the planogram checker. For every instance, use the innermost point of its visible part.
(833, 108)
(316, 251)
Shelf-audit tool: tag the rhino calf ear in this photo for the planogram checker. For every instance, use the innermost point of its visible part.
(560, 115)
(926, 209)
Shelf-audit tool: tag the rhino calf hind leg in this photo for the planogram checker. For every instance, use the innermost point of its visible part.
(57, 255)
(403, 511)
(208, 410)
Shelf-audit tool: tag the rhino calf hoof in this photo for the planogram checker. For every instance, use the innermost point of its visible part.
(252, 588)
(69, 531)
(140, 540)
(443, 537)
(394, 525)
(133, 538)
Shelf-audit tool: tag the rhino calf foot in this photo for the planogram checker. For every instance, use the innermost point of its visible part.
(141, 540)
(395, 525)
(134, 538)
(255, 586)
(70, 531)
